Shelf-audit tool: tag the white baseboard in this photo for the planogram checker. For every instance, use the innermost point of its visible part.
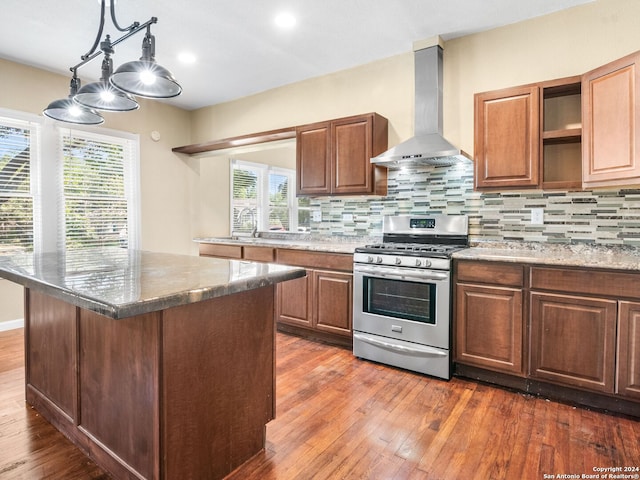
(11, 324)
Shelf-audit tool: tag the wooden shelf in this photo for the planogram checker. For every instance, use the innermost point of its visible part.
(568, 135)
(240, 141)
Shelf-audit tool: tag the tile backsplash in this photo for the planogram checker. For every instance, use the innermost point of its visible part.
(608, 217)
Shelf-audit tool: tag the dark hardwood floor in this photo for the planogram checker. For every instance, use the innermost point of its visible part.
(339, 417)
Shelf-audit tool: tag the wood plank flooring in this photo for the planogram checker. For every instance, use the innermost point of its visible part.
(343, 418)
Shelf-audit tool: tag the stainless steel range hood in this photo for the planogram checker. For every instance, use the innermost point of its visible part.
(427, 146)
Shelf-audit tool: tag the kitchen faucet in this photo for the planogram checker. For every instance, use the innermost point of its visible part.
(254, 222)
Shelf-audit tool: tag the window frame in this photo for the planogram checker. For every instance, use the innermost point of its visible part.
(47, 181)
(263, 172)
(34, 125)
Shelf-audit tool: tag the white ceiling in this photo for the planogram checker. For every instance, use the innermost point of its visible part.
(239, 49)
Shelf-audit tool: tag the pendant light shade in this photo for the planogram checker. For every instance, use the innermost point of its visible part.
(102, 95)
(66, 110)
(145, 77)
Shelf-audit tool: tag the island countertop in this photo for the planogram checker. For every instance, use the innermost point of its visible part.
(120, 283)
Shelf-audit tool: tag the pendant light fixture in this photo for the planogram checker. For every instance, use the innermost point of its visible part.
(114, 91)
(102, 95)
(66, 110)
(145, 77)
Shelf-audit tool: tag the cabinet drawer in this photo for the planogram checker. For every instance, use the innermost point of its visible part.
(587, 281)
(490, 272)
(330, 261)
(259, 254)
(220, 250)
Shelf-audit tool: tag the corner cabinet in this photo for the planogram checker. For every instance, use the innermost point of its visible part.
(611, 119)
(334, 157)
(507, 137)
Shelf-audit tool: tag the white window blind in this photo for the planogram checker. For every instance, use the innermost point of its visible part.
(97, 197)
(17, 148)
(279, 201)
(246, 188)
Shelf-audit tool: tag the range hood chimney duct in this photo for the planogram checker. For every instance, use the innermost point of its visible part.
(428, 146)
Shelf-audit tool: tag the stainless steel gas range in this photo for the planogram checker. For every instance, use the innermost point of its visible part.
(402, 293)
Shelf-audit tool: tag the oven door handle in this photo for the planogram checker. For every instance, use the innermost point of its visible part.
(396, 274)
(418, 349)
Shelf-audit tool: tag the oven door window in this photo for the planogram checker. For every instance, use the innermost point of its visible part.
(400, 299)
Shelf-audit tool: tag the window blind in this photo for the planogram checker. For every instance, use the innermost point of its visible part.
(279, 218)
(17, 140)
(246, 182)
(94, 189)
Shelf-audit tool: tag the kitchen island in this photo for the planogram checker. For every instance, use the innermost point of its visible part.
(156, 365)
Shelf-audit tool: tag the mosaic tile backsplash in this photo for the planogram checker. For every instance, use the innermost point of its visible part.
(607, 217)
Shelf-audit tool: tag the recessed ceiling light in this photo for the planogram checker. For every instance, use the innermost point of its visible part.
(285, 20)
(187, 57)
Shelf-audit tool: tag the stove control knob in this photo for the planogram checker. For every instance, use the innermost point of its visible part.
(378, 259)
(418, 262)
(427, 263)
(398, 261)
(369, 259)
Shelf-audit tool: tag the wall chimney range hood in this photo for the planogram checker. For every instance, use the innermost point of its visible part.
(427, 146)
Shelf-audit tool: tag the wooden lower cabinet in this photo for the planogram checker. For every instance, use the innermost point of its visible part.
(320, 301)
(317, 305)
(333, 301)
(564, 332)
(628, 368)
(489, 327)
(573, 340)
(489, 316)
(294, 301)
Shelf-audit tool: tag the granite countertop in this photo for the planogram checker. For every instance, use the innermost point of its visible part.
(580, 255)
(314, 243)
(121, 283)
(616, 257)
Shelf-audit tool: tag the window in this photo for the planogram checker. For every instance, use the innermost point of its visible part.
(63, 188)
(17, 142)
(96, 205)
(263, 198)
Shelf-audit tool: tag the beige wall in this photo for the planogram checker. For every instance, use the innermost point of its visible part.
(166, 179)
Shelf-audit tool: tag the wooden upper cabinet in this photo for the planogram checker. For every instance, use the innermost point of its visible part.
(507, 138)
(611, 123)
(351, 147)
(334, 157)
(313, 162)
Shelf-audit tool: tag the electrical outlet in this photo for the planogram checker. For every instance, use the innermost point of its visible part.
(347, 217)
(537, 216)
(316, 216)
